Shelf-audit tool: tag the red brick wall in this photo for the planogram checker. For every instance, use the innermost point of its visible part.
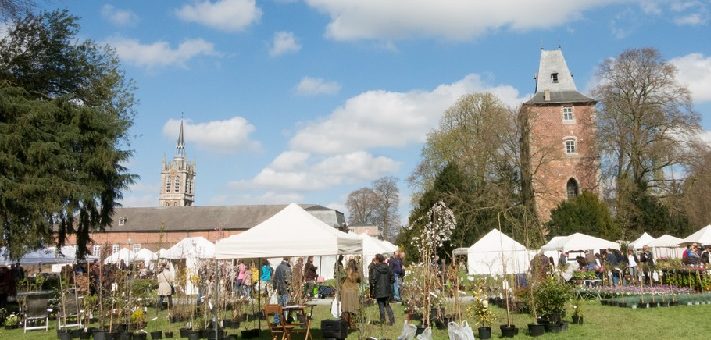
(551, 167)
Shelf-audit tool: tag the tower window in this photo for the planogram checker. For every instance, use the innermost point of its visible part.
(554, 77)
(167, 184)
(572, 188)
(114, 248)
(568, 113)
(570, 147)
(177, 184)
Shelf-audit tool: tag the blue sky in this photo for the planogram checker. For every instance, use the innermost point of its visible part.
(306, 101)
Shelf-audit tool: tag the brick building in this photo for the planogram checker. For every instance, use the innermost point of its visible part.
(559, 137)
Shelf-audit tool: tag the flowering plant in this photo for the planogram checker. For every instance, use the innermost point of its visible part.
(479, 309)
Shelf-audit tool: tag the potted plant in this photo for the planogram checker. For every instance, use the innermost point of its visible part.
(479, 310)
(12, 321)
(577, 313)
(138, 318)
(551, 296)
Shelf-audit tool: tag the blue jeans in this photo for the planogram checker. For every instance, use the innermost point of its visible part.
(396, 288)
(282, 300)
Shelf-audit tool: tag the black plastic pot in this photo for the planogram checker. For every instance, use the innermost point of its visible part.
(555, 328)
(653, 304)
(125, 336)
(101, 335)
(484, 332)
(576, 318)
(250, 333)
(157, 335)
(419, 330)
(184, 332)
(508, 331)
(194, 335)
(536, 329)
(580, 321)
(139, 336)
(169, 335)
(64, 335)
(76, 333)
(563, 325)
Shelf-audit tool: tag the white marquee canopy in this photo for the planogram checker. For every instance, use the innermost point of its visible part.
(291, 232)
(579, 241)
(703, 236)
(485, 256)
(642, 241)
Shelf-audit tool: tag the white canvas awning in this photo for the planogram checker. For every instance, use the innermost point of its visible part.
(49, 255)
(642, 241)
(665, 241)
(291, 232)
(580, 241)
(702, 236)
(486, 255)
(190, 249)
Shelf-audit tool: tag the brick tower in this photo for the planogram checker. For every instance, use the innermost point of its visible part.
(559, 152)
(177, 178)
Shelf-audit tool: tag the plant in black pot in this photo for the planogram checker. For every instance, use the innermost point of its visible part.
(577, 313)
(479, 310)
(12, 321)
(551, 295)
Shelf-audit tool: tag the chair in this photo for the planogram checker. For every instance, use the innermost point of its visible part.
(70, 311)
(276, 328)
(36, 309)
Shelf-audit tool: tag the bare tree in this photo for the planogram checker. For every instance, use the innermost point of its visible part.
(362, 206)
(644, 115)
(696, 197)
(386, 210)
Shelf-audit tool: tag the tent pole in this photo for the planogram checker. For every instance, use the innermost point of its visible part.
(259, 294)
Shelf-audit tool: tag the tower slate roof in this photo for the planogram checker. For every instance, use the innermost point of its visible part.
(554, 82)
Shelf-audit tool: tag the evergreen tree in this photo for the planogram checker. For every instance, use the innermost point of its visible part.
(585, 214)
(65, 111)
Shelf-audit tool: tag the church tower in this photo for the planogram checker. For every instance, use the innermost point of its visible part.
(558, 148)
(177, 178)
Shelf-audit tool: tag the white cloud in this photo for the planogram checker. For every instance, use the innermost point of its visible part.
(319, 173)
(224, 15)
(282, 43)
(694, 70)
(160, 53)
(119, 17)
(268, 197)
(222, 136)
(381, 118)
(453, 19)
(309, 86)
(692, 19)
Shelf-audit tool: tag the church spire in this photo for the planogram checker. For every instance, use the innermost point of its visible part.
(180, 149)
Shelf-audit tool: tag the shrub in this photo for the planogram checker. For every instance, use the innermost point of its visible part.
(551, 296)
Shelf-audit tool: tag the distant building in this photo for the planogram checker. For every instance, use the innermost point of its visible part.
(559, 142)
(178, 178)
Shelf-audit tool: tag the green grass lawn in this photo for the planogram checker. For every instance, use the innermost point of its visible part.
(600, 323)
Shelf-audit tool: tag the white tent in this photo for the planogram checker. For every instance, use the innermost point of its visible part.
(666, 241)
(642, 241)
(485, 256)
(555, 243)
(371, 247)
(702, 236)
(391, 247)
(667, 246)
(580, 241)
(123, 254)
(49, 255)
(190, 248)
(145, 255)
(291, 232)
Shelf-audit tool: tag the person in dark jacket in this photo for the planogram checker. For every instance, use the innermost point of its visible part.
(381, 281)
(395, 264)
(282, 281)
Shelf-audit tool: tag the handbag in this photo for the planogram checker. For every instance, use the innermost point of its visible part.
(172, 289)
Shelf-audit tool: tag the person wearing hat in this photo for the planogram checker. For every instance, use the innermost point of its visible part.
(166, 277)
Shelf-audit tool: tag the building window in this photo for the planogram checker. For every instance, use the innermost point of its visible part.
(136, 247)
(115, 249)
(554, 77)
(167, 184)
(570, 147)
(189, 187)
(122, 221)
(177, 184)
(96, 250)
(572, 188)
(568, 114)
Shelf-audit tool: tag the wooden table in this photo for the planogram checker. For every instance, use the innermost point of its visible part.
(300, 321)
